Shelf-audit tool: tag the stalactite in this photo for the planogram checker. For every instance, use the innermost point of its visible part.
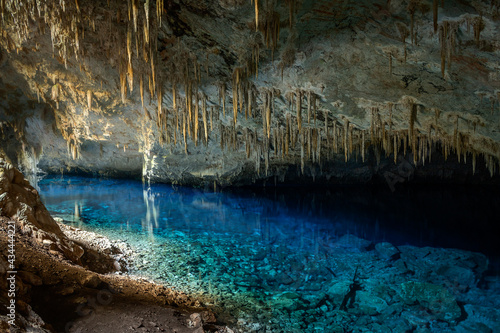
(211, 118)
(385, 142)
(309, 107)
(130, 77)
(256, 14)
(222, 96)
(137, 45)
(351, 126)
(435, 14)
(473, 162)
(478, 26)
(184, 132)
(159, 102)
(412, 9)
(299, 110)
(189, 106)
(395, 147)
(405, 143)
(247, 142)
(294, 136)
(221, 132)
(266, 155)
(411, 128)
(287, 134)
(146, 12)
(275, 141)
(325, 115)
(404, 33)
(335, 139)
(447, 40)
(281, 142)
(129, 45)
(196, 120)
(159, 10)
(74, 152)
(204, 116)
(134, 13)
(89, 100)
(236, 145)
(363, 146)
(250, 101)
(314, 99)
(442, 38)
(151, 88)
(236, 82)
(346, 139)
(257, 159)
(153, 72)
(455, 135)
(390, 63)
(309, 143)
(458, 148)
(241, 96)
(302, 152)
(314, 147)
(264, 118)
(269, 100)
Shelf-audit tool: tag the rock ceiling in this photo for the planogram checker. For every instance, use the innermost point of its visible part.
(234, 91)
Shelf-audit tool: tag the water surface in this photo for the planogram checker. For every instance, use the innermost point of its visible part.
(270, 257)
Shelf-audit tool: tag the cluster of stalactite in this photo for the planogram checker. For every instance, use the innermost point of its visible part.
(302, 130)
(306, 131)
(447, 30)
(126, 34)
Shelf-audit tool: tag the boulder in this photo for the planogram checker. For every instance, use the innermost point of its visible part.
(19, 201)
(439, 301)
(352, 242)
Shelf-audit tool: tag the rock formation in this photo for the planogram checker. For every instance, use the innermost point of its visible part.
(51, 289)
(234, 91)
(19, 201)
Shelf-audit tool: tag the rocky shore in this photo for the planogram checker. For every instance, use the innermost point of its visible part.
(70, 280)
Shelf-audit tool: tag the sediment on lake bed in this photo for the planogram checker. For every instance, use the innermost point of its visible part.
(66, 277)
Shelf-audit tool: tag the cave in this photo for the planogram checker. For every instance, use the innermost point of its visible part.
(249, 166)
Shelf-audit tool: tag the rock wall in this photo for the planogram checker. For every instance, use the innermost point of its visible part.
(19, 201)
(231, 92)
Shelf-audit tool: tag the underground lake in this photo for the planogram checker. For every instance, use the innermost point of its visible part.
(291, 259)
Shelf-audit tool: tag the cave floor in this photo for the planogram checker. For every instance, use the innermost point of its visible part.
(55, 295)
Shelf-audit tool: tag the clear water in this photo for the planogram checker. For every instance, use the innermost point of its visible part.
(265, 259)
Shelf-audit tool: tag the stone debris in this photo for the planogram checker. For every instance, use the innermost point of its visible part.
(400, 288)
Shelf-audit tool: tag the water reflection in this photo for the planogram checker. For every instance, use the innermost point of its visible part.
(310, 218)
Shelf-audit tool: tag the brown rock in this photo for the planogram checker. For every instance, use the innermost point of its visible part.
(208, 317)
(30, 278)
(92, 281)
(195, 320)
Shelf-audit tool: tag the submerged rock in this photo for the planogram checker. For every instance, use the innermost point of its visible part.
(352, 242)
(434, 298)
(386, 250)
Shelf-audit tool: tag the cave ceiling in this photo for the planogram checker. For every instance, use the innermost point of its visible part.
(234, 91)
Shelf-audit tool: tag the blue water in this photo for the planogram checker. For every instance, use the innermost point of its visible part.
(253, 254)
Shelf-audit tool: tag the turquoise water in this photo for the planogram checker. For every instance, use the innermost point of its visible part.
(284, 259)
